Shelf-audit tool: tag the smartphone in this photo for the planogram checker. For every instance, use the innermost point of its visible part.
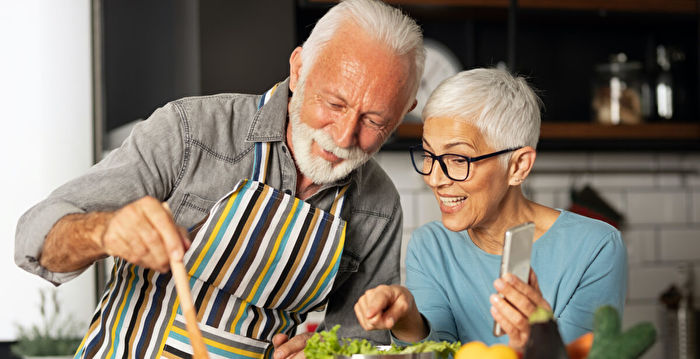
(517, 247)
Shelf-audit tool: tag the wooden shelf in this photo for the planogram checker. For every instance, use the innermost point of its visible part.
(593, 131)
(662, 6)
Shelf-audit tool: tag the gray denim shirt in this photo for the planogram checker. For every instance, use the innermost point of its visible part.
(191, 152)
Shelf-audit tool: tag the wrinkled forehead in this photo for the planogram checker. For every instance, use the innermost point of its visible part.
(351, 49)
(449, 131)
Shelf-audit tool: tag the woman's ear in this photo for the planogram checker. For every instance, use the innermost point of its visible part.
(294, 68)
(521, 163)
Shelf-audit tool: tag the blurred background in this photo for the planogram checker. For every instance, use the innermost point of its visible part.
(620, 137)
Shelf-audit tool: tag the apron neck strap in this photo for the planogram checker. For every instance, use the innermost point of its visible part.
(339, 200)
(261, 161)
(262, 149)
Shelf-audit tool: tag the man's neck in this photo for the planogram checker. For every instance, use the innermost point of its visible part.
(305, 187)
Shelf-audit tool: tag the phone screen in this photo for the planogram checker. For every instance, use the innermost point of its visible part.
(517, 247)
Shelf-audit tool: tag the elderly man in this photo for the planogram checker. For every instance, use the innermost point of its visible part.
(286, 211)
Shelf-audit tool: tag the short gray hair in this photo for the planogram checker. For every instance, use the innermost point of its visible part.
(503, 107)
(387, 24)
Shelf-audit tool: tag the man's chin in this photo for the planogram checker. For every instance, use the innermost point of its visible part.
(321, 171)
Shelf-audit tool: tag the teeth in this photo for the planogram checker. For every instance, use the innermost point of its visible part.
(451, 200)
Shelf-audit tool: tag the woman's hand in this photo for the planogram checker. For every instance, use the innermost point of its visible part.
(520, 301)
(391, 307)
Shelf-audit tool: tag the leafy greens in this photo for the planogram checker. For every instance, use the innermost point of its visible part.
(326, 345)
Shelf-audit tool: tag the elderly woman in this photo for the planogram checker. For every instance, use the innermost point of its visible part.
(479, 137)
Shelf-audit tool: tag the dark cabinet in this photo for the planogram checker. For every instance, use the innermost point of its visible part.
(152, 53)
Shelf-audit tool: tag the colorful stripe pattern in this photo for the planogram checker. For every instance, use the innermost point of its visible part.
(261, 261)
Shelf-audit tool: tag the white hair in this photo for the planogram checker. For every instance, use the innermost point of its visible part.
(380, 21)
(504, 108)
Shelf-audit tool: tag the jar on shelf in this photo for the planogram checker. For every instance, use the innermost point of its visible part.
(620, 93)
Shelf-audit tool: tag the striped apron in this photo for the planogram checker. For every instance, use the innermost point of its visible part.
(260, 262)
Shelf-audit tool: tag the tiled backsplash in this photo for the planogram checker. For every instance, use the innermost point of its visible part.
(659, 195)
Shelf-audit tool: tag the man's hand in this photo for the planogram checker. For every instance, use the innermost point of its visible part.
(142, 232)
(520, 301)
(286, 348)
(391, 307)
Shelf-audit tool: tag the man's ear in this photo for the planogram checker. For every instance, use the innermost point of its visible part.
(294, 68)
(521, 163)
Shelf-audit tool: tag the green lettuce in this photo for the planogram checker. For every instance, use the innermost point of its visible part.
(326, 345)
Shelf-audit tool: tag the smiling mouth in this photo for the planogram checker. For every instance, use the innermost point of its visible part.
(330, 156)
(451, 201)
(327, 155)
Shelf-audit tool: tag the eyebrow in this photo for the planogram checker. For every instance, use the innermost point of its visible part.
(334, 95)
(452, 144)
(330, 93)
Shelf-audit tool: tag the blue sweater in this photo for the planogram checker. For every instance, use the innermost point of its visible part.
(580, 263)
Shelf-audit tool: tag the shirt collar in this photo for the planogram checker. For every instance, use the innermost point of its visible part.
(270, 125)
(270, 121)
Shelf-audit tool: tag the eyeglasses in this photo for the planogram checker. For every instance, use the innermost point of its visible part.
(456, 167)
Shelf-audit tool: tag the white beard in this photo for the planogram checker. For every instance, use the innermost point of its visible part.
(319, 170)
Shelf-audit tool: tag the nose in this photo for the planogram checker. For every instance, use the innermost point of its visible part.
(437, 176)
(346, 130)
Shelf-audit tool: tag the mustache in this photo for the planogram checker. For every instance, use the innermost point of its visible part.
(326, 142)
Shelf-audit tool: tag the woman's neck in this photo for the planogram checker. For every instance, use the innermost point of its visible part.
(515, 209)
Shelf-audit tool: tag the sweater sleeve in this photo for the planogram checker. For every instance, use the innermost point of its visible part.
(434, 306)
(604, 282)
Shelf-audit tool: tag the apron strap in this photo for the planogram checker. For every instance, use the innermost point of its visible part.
(261, 161)
(266, 96)
(339, 200)
(262, 149)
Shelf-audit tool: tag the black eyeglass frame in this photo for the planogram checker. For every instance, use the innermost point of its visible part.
(438, 158)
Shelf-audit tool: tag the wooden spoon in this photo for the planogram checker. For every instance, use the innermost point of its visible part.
(182, 286)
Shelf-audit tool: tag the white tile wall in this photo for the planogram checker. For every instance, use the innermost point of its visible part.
(626, 160)
(550, 182)
(646, 282)
(546, 198)
(557, 161)
(662, 211)
(692, 161)
(680, 244)
(657, 207)
(398, 166)
(669, 180)
(409, 208)
(622, 181)
(670, 160)
(641, 245)
(695, 204)
(428, 208)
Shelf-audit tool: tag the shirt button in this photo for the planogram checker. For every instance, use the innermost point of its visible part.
(288, 191)
(284, 149)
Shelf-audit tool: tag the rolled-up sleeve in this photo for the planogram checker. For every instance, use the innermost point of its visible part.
(149, 162)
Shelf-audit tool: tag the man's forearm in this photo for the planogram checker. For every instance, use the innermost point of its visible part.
(74, 242)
